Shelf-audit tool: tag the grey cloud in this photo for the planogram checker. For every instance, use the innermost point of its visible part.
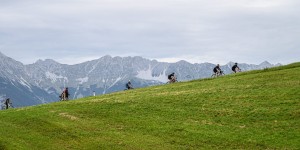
(220, 30)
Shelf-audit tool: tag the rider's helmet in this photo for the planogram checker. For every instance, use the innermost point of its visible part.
(235, 63)
(218, 65)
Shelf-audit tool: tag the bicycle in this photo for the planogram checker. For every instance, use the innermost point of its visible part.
(217, 74)
(237, 70)
(173, 80)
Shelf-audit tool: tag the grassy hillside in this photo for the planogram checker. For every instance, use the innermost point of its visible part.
(250, 110)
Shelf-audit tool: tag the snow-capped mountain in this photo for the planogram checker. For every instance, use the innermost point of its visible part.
(45, 79)
(16, 84)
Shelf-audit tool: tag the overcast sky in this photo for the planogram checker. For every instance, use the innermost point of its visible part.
(215, 31)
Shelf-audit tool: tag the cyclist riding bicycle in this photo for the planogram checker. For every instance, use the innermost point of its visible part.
(129, 85)
(217, 69)
(235, 68)
(172, 78)
(8, 103)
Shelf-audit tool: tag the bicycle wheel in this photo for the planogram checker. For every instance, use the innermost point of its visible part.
(213, 75)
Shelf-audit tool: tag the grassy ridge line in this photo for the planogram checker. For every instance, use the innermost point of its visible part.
(251, 110)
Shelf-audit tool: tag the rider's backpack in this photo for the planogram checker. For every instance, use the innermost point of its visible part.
(170, 76)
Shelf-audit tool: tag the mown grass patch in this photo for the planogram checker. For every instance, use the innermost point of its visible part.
(249, 110)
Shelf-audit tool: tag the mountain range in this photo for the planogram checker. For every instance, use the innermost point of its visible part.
(42, 81)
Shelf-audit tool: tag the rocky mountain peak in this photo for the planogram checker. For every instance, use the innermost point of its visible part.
(46, 62)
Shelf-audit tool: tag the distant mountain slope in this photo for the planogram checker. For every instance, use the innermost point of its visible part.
(15, 84)
(109, 74)
(249, 110)
(104, 75)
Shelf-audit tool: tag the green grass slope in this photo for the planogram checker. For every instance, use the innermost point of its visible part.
(250, 110)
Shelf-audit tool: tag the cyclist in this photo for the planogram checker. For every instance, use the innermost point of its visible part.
(129, 85)
(65, 94)
(7, 103)
(172, 78)
(235, 68)
(217, 70)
